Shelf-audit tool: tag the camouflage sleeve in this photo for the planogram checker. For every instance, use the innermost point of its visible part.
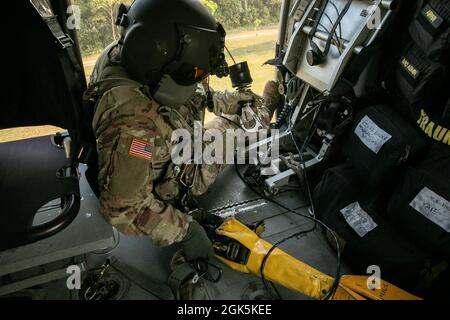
(228, 102)
(201, 177)
(204, 175)
(126, 135)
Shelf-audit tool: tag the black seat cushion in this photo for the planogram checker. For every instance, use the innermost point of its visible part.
(34, 172)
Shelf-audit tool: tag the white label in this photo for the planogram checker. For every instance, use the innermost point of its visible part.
(371, 135)
(433, 207)
(358, 219)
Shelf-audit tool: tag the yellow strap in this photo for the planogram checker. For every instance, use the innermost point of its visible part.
(280, 267)
(387, 290)
(283, 269)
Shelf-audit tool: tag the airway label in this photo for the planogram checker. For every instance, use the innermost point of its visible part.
(433, 207)
(371, 135)
(358, 219)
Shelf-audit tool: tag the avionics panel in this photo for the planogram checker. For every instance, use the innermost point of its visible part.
(359, 25)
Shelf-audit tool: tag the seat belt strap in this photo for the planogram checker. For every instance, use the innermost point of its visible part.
(61, 38)
(44, 9)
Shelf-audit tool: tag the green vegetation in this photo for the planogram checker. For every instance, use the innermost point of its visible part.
(255, 47)
(97, 28)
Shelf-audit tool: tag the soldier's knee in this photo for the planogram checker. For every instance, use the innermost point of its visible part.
(166, 235)
(121, 223)
(199, 190)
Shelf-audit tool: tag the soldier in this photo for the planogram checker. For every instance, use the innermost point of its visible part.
(149, 84)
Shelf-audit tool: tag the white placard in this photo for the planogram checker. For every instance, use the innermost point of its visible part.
(433, 207)
(358, 219)
(371, 135)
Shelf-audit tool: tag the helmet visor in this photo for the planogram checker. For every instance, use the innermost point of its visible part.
(187, 74)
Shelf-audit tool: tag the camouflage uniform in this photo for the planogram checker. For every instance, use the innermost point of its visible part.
(137, 193)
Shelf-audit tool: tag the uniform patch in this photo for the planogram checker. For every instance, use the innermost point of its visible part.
(409, 68)
(430, 20)
(141, 149)
(432, 16)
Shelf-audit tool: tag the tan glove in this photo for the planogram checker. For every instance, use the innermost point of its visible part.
(226, 102)
(272, 96)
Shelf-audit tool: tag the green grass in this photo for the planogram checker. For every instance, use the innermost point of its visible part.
(255, 47)
(256, 51)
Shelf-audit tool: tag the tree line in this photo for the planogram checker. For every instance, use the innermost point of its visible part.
(97, 18)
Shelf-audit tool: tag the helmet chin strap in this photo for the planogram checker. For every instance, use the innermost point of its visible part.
(171, 94)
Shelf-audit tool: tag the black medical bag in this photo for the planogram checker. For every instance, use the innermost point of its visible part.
(420, 207)
(366, 238)
(430, 30)
(419, 80)
(379, 143)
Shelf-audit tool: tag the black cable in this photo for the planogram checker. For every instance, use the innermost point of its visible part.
(338, 254)
(314, 46)
(312, 218)
(302, 161)
(263, 196)
(232, 58)
(305, 143)
(338, 41)
(338, 13)
(266, 257)
(340, 25)
(325, 30)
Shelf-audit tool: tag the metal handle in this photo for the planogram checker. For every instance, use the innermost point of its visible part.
(69, 212)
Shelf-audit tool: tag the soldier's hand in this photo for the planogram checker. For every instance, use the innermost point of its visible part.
(205, 218)
(231, 103)
(272, 96)
(196, 244)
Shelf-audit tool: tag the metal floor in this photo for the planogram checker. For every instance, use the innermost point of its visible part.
(147, 267)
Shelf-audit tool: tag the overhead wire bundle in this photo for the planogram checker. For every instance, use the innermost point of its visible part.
(317, 55)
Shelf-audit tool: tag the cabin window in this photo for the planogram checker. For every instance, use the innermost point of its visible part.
(251, 25)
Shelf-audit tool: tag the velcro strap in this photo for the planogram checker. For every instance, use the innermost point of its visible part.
(180, 276)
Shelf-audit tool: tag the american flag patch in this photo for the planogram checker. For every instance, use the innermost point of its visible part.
(141, 149)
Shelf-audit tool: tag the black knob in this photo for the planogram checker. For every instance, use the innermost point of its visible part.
(313, 58)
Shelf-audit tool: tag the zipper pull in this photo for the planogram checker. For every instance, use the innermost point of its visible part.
(405, 157)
